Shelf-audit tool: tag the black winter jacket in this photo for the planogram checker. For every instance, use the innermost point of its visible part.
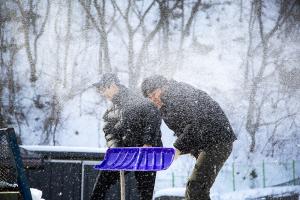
(132, 121)
(196, 119)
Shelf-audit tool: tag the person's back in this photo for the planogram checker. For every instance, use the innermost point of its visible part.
(186, 105)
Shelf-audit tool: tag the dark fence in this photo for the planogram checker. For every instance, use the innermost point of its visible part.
(67, 175)
(60, 173)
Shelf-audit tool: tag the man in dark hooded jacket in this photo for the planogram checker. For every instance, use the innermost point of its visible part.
(132, 121)
(200, 125)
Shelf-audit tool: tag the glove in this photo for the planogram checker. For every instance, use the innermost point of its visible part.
(177, 154)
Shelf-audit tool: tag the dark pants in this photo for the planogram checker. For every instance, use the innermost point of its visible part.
(207, 167)
(145, 184)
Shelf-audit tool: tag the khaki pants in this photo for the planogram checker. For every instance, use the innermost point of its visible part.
(207, 167)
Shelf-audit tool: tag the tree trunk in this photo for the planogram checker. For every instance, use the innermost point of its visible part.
(33, 77)
(166, 68)
(26, 30)
(67, 42)
(104, 36)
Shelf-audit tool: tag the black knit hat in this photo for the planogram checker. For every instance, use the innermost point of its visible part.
(107, 80)
(152, 83)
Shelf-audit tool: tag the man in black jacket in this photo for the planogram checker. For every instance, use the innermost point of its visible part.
(201, 126)
(132, 121)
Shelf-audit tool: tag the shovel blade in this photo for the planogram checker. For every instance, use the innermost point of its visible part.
(137, 159)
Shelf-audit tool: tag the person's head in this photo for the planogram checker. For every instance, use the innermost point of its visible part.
(152, 88)
(108, 86)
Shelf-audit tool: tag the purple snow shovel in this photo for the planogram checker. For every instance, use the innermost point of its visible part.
(136, 159)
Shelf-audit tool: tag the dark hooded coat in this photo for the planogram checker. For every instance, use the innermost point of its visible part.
(196, 119)
(132, 121)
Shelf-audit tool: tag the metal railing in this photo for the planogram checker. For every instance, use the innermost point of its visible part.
(238, 176)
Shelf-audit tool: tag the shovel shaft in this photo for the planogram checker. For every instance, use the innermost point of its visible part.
(122, 184)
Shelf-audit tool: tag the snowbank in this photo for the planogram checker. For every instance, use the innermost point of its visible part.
(260, 192)
(238, 195)
(178, 192)
(63, 149)
(36, 194)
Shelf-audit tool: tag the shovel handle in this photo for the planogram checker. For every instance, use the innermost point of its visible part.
(122, 184)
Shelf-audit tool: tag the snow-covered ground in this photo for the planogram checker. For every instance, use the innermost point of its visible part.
(63, 149)
(36, 194)
(259, 192)
(239, 195)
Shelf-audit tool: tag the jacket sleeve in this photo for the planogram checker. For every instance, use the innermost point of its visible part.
(112, 134)
(151, 125)
(186, 141)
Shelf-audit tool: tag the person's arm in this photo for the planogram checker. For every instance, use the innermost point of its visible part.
(151, 123)
(112, 135)
(187, 140)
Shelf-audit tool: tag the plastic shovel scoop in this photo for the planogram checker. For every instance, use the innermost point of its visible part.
(136, 159)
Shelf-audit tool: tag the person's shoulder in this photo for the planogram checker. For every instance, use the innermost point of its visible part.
(190, 88)
(136, 101)
(175, 88)
(146, 104)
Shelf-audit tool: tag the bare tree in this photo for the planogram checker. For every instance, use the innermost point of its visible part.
(135, 65)
(67, 41)
(165, 54)
(29, 18)
(8, 52)
(99, 24)
(2, 61)
(58, 40)
(185, 30)
(51, 122)
(257, 97)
